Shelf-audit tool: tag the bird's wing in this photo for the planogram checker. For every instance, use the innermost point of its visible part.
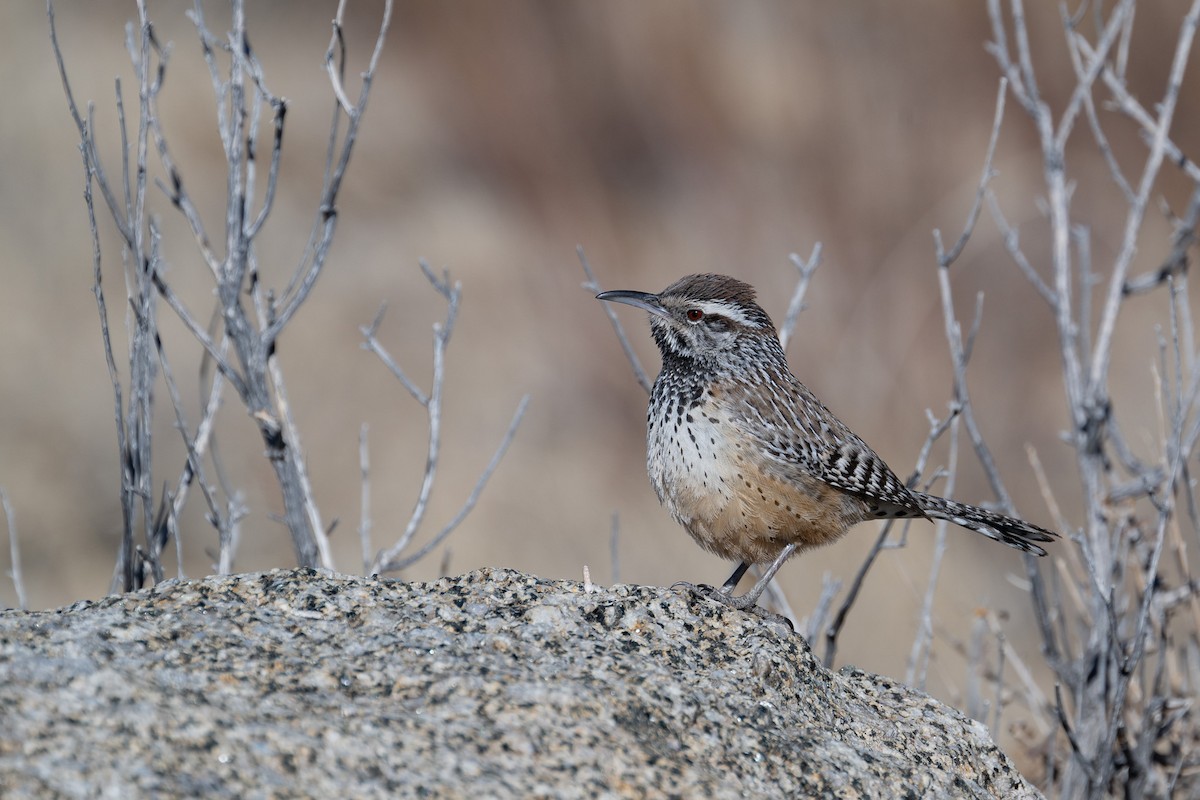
(800, 436)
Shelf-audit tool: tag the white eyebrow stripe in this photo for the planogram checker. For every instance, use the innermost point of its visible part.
(729, 311)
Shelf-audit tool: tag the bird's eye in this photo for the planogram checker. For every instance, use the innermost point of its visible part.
(695, 315)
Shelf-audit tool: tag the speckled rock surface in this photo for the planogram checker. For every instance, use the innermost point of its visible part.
(491, 684)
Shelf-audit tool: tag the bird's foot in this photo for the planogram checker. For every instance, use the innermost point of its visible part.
(702, 589)
(722, 596)
(746, 602)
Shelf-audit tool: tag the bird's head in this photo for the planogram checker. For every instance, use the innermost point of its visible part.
(702, 317)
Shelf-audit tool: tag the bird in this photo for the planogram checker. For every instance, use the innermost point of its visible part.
(747, 459)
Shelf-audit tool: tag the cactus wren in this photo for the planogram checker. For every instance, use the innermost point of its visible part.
(747, 459)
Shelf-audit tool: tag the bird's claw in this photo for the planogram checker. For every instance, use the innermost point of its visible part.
(725, 598)
(716, 595)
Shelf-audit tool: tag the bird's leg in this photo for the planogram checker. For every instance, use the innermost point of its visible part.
(724, 595)
(726, 589)
(728, 586)
(751, 597)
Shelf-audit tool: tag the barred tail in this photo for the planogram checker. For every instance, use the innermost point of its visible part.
(1013, 532)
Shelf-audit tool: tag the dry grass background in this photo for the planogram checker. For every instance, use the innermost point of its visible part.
(665, 138)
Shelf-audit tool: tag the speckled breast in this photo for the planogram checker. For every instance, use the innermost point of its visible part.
(713, 480)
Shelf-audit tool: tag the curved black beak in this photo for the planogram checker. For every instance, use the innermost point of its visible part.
(643, 300)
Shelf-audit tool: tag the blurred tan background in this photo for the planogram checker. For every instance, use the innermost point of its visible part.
(664, 138)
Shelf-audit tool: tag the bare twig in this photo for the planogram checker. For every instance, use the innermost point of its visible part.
(945, 259)
(839, 620)
(614, 539)
(593, 286)
(472, 499)
(796, 305)
(364, 521)
(291, 435)
(1089, 105)
(998, 703)
(1102, 616)
(14, 553)
(391, 559)
(133, 421)
(975, 706)
(242, 98)
(125, 553)
(960, 353)
(818, 619)
(1127, 104)
(937, 428)
(1078, 749)
(1086, 74)
(87, 142)
(371, 343)
(452, 293)
(1012, 243)
(309, 269)
(1133, 221)
(193, 467)
(1176, 262)
(337, 74)
(918, 658)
